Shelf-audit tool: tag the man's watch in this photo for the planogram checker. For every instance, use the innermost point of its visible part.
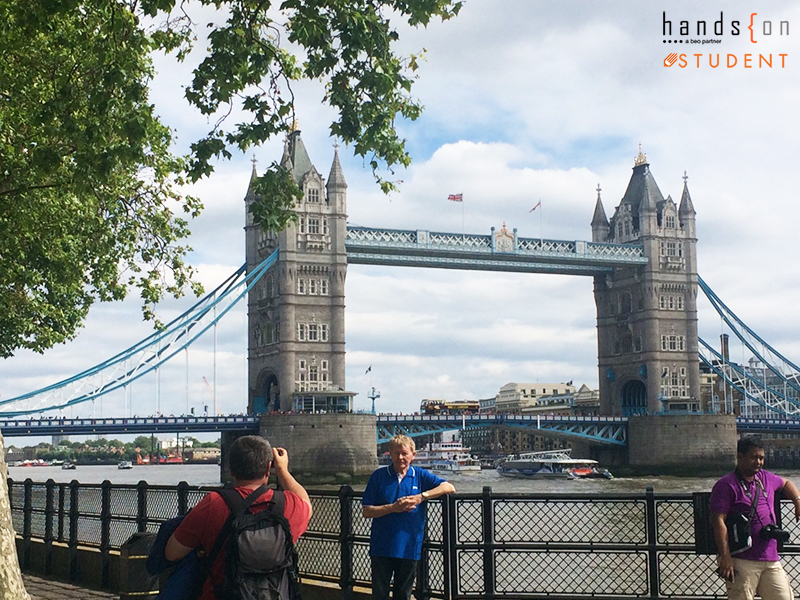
(424, 495)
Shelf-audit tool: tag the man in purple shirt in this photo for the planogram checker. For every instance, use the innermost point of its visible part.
(756, 570)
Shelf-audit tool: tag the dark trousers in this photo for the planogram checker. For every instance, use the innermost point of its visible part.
(403, 570)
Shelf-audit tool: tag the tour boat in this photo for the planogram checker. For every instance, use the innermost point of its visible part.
(451, 457)
(124, 464)
(551, 464)
(68, 466)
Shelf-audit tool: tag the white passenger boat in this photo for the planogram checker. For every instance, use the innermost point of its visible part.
(124, 464)
(551, 464)
(451, 457)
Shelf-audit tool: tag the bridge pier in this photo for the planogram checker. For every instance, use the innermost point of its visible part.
(323, 448)
(681, 444)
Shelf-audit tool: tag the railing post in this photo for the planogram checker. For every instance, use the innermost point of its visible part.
(652, 540)
(141, 506)
(346, 540)
(27, 515)
(73, 529)
(49, 516)
(183, 498)
(62, 493)
(105, 531)
(488, 542)
(449, 539)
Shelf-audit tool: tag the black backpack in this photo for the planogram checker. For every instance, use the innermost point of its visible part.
(260, 558)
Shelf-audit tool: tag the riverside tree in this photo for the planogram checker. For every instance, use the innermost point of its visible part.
(91, 200)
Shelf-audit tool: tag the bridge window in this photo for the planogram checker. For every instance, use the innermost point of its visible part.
(323, 332)
(312, 196)
(312, 332)
(625, 304)
(324, 365)
(670, 222)
(325, 230)
(323, 287)
(313, 374)
(302, 330)
(679, 302)
(637, 344)
(301, 224)
(313, 226)
(312, 287)
(663, 302)
(302, 364)
(301, 286)
(627, 344)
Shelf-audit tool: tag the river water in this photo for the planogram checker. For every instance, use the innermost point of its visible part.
(469, 483)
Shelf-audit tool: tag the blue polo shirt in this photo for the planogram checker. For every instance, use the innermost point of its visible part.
(398, 535)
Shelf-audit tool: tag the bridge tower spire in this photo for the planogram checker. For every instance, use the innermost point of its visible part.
(647, 315)
(296, 311)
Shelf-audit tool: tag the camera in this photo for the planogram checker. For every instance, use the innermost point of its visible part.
(773, 532)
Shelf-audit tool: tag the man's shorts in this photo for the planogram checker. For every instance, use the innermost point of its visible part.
(756, 577)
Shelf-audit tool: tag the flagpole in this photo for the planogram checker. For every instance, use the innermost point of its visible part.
(463, 228)
(541, 235)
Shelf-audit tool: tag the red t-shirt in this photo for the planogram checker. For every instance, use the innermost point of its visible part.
(204, 522)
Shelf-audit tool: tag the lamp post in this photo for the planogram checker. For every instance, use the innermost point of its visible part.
(374, 394)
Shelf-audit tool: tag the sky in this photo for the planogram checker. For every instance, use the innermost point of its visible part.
(525, 101)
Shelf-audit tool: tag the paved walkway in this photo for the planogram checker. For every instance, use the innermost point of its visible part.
(46, 589)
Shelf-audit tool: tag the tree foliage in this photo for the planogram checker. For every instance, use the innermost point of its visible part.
(91, 202)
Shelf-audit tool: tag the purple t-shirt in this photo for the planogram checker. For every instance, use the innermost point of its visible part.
(732, 495)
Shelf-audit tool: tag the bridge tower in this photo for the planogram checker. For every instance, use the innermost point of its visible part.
(296, 311)
(647, 315)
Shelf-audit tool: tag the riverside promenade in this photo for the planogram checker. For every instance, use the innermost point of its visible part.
(46, 589)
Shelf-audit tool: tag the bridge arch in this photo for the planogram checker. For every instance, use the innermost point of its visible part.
(266, 396)
(633, 398)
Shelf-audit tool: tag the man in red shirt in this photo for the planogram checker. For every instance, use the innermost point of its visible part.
(249, 460)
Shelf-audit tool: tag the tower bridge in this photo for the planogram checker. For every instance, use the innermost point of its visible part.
(643, 262)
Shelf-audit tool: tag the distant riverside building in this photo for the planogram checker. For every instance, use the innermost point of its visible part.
(514, 397)
(203, 454)
(486, 405)
(586, 401)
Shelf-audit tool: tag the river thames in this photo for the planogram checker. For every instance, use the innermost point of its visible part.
(471, 483)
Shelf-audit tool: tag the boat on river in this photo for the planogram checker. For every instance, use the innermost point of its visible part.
(551, 464)
(450, 457)
(124, 464)
(68, 466)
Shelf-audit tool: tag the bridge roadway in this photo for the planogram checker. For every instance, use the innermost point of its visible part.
(597, 429)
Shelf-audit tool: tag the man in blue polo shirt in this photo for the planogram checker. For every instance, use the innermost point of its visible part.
(394, 500)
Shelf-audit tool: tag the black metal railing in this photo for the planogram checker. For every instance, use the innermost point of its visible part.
(479, 545)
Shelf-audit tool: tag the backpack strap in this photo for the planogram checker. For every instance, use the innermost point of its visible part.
(278, 503)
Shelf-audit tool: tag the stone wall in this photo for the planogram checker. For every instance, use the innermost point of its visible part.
(339, 447)
(677, 443)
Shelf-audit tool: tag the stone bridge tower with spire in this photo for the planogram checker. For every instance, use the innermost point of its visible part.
(296, 345)
(647, 316)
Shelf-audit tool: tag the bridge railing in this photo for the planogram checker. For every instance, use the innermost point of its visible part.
(481, 545)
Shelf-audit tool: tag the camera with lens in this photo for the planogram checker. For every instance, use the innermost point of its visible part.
(773, 532)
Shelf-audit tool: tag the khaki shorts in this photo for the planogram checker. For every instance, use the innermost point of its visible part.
(757, 577)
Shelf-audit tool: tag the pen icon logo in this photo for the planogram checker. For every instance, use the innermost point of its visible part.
(670, 60)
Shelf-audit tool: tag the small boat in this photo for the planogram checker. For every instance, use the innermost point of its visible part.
(124, 464)
(551, 464)
(451, 457)
(68, 466)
